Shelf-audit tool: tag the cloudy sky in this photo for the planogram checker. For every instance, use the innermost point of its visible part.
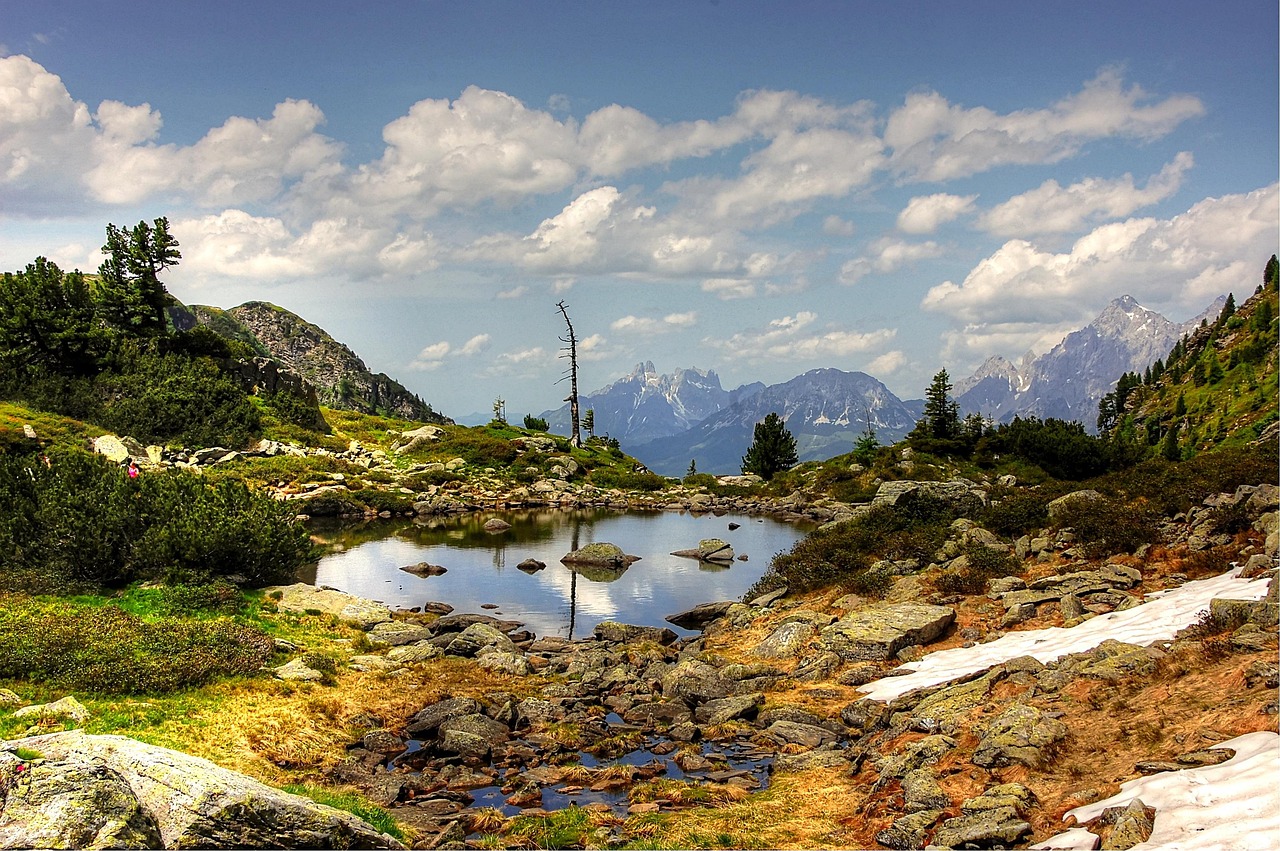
(758, 188)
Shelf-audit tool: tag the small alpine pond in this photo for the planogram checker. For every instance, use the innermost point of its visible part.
(481, 575)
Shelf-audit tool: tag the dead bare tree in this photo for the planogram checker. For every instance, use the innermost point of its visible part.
(571, 352)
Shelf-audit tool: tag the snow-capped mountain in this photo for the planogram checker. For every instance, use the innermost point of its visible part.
(825, 409)
(647, 405)
(1068, 381)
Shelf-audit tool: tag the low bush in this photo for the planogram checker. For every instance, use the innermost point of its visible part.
(79, 523)
(611, 477)
(1016, 514)
(1105, 527)
(982, 565)
(105, 650)
(380, 500)
(331, 504)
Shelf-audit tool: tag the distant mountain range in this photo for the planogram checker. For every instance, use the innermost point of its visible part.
(1069, 380)
(646, 405)
(666, 421)
(825, 409)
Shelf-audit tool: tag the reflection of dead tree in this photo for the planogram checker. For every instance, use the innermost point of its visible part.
(571, 351)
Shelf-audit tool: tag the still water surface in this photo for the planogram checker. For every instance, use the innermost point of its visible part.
(481, 567)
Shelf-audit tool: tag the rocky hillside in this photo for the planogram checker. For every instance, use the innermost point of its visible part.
(1067, 382)
(340, 378)
(825, 409)
(927, 714)
(1216, 387)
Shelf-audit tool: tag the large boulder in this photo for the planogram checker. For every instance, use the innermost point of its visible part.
(787, 641)
(879, 632)
(964, 496)
(114, 792)
(700, 615)
(303, 598)
(601, 554)
(1020, 734)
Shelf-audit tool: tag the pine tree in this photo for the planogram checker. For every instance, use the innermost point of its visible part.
(941, 412)
(132, 297)
(772, 450)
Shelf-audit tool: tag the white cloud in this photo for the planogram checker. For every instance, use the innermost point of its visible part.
(836, 226)
(518, 291)
(887, 363)
(887, 255)
(476, 345)
(650, 326)
(729, 288)
(793, 338)
(933, 140)
(1050, 208)
(923, 214)
(1176, 265)
(431, 357)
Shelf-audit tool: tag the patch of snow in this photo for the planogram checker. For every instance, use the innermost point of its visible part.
(1231, 806)
(1159, 618)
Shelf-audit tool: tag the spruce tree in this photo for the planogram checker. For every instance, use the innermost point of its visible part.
(772, 450)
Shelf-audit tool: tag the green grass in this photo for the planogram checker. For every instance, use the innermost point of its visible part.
(352, 803)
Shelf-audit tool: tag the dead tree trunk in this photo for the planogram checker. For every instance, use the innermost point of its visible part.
(571, 352)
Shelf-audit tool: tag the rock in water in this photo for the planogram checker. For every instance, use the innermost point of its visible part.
(600, 554)
(114, 792)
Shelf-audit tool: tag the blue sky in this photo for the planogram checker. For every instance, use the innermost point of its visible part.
(754, 188)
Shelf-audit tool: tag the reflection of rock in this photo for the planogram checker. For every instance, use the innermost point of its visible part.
(598, 572)
(601, 554)
(423, 568)
(710, 550)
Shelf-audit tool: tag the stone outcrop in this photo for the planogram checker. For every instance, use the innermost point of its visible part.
(357, 611)
(879, 632)
(113, 792)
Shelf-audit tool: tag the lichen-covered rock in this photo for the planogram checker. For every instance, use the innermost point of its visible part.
(1005, 795)
(1059, 507)
(478, 638)
(728, 709)
(1133, 824)
(397, 633)
(358, 611)
(1020, 734)
(998, 828)
(472, 735)
(926, 751)
(626, 633)
(879, 632)
(600, 554)
(504, 662)
(114, 792)
(296, 670)
(694, 682)
(920, 791)
(944, 710)
(66, 709)
(909, 830)
(787, 641)
(413, 654)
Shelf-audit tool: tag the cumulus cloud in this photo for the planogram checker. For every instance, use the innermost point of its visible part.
(887, 255)
(795, 338)
(1051, 208)
(923, 214)
(1177, 265)
(887, 363)
(237, 244)
(933, 140)
(431, 357)
(650, 326)
(729, 288)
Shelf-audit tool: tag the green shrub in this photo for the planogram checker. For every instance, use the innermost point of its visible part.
(984, 564)
(104, 650)
(1016, 514)
(379, 500)
(611, 477)
(80, 523)
(1106, 527)
(479, 446)
(331, 504)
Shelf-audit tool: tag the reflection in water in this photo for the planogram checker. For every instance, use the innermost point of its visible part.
(365, 559)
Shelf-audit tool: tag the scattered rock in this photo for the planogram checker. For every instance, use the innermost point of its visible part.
(66, 709)
(699, 616)
(495, 526)
(531, 565)
(357, 611)
(879, 632)
(601, 554)
(1020, 734)
(787, 641)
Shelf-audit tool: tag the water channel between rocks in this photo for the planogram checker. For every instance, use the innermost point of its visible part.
(481, 574)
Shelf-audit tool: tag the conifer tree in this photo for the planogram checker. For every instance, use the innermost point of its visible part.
(772, 450)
